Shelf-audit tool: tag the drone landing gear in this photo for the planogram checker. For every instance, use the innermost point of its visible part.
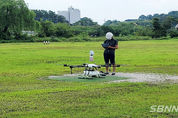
(88, 77)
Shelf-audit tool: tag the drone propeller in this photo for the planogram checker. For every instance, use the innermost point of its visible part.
(73, 66)
(88, 65)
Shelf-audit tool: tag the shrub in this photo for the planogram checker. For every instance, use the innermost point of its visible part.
(173, 33)
(130, 38)
(75, 39)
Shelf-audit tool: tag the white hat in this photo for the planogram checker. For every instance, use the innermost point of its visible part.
(176, 27)
(109, 35)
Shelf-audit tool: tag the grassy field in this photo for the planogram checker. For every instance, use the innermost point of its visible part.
(24, 92)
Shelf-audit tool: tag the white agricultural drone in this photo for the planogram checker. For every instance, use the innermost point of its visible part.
(91, 70)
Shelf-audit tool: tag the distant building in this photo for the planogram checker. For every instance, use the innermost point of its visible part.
(72, 15)
(29, 33)
(130, 20)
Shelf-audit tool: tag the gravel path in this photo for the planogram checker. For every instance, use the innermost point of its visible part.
(139, 77)
(151, 78)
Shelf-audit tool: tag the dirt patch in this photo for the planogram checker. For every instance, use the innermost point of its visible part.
(136, 77)
(147, 77)
(74, 78)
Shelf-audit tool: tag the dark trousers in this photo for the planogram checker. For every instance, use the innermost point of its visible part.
(109, 56)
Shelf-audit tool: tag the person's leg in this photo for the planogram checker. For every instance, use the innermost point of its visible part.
(114, 68)
(106, 59)
(113, 63)
(107, 69)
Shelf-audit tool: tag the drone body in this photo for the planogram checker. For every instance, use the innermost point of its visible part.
(91, 70)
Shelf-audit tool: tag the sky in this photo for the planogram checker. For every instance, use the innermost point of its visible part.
(103, 10)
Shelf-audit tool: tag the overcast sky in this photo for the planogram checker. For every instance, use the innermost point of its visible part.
(102, 10)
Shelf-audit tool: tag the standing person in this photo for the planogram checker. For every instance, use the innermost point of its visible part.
(109, 54)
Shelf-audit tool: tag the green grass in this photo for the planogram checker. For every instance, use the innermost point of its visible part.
(24, 92)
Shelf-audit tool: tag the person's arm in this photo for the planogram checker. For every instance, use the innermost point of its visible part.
(104, 46)
(116, 47)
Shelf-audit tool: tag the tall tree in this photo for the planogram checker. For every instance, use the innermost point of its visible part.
(158, 30)
(14, 17)
(63, 30)
(167, 23)
(47, 29)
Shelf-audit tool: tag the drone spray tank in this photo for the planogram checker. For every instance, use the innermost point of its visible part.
(91, 55)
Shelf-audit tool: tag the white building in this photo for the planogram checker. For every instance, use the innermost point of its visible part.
(72, 15)
(29, 33)
(65, 14)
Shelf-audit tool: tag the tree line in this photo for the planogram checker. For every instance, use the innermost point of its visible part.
(173, 14)
(43, 15)
(15, 17)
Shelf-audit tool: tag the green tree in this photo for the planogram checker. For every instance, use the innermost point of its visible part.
(158, 30)
(109, 22)
(173, 33)
(15, 17)
(106, 29)
(96, 31)
(142, 17)
(50, 16)
(63, 30)
(143, 31)
(86, 22)
(167, 23)
(47, 29)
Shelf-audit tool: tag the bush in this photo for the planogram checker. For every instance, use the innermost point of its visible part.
(51, 39)
(15, 41)
(38, 39)
(63, 30)
(86, 39)
(98, 39)
(75, 39)
(26, 38)
(162, 38)
(130, 38)
(54, 39)
(173, 33)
